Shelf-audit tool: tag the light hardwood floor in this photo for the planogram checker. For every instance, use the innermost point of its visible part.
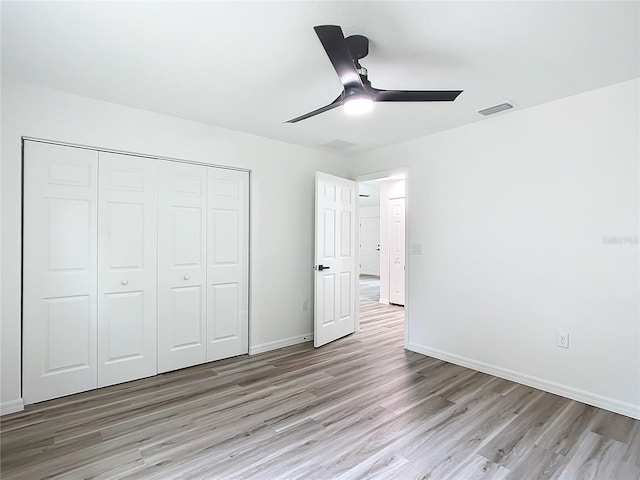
(361, 407)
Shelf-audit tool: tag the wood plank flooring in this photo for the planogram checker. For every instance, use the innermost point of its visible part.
(369, 289)
(361, 407)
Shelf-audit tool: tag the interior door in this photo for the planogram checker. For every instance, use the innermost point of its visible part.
(335, 257)
(397, 250)
(370, 246)
(227, 263)
(59, 271)
(182, 229)
(127, 255)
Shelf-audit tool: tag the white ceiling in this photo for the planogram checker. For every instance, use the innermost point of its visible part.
(251, 66)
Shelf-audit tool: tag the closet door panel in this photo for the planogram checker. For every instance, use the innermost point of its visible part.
(59, 268)
(181, 264)
(127, 250)
(227, 267)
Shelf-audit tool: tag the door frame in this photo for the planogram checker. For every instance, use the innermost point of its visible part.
(383, 175)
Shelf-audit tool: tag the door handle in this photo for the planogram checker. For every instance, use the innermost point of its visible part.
(322, 267)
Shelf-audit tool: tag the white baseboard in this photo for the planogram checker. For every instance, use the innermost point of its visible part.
(285, 342)
(11, 406)
(384, 301)
(607, 403)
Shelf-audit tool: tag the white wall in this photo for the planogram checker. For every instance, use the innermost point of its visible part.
(369, 212)
(511, 213)
(281, 203)
(388, 189)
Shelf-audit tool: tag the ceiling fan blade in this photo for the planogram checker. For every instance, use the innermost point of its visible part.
(416, 95)
(337, 49)
(336, 103)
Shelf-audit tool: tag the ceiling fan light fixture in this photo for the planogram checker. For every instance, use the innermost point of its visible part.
(358, 105)
(358, 96)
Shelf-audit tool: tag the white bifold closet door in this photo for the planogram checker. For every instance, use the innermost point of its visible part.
(59, 271)
(203, 279)
(127, 253)
(131, 266)
(182, 285)
(227, 263)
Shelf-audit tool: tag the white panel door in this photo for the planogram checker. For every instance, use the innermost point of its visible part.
(127, 251)
(370, 246)
(396, 250)
(182, 337)
(335, 256)
(59, 271)
(227, 263)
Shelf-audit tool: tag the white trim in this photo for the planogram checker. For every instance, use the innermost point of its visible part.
(356, 298)
(607, 403)
(407, 254)
(11, 406)
(285, 342)
(126, 152)
(384, 301)
(394, 173)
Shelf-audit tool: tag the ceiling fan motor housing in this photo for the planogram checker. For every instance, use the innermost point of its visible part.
(358, 46)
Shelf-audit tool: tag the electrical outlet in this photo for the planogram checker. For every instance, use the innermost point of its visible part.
(305, 304)
(562, 339)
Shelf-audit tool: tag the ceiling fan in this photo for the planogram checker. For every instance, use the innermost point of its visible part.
(358, 95)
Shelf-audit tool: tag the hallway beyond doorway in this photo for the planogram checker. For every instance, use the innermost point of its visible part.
(369, 288)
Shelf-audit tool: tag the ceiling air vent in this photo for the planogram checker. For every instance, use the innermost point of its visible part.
(338, 144)
(496, 108)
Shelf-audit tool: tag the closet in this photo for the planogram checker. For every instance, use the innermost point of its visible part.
(132, 266)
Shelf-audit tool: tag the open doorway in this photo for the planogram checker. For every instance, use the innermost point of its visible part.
(382, 255)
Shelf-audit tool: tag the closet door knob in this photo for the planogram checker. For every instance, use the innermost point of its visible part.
(124, 282)
(186, 277)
